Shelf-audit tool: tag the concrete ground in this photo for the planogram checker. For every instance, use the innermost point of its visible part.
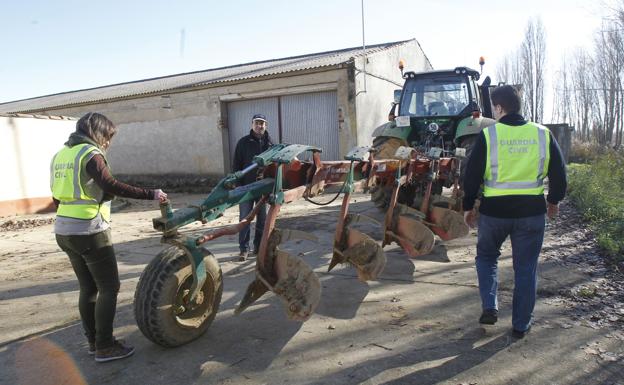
(416, 325)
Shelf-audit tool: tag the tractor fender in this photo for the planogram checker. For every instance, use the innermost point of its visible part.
(472, 126)
(390, 129)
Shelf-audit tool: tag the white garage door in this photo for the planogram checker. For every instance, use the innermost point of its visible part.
(312, 119)
(304, 119)
(239, 119)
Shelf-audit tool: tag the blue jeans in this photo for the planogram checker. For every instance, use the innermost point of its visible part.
(243, 237)
(527, 235)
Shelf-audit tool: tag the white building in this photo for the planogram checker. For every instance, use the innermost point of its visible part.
(185, 126)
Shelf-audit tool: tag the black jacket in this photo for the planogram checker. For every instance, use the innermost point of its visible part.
(512, 206)
(247, 147)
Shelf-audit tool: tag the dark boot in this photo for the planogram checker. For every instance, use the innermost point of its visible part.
(489, 317)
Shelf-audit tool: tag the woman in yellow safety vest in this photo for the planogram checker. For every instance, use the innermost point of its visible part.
(82, 188)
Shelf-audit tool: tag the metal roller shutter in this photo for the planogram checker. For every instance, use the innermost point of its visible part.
(239, 119)
(312, 119)
(305, 119)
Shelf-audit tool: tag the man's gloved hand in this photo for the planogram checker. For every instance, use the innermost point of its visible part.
(160, 195)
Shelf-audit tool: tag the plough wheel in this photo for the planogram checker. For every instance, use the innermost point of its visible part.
(160, 309)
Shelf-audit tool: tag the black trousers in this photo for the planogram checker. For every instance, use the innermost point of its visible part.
(93, 259)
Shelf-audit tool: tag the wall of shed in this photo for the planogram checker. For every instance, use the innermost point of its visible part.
(373, 105)
(185, 133)
(26, 150)
(180, 136)
(563, 135)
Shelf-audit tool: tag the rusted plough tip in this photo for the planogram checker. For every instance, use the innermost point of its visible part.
(255, 290)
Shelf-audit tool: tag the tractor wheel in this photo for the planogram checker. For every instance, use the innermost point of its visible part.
(160, 309)
(387, 146)
(380, 196)
(468, 143)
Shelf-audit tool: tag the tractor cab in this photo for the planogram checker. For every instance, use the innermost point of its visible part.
(437, 108)
(439, 93)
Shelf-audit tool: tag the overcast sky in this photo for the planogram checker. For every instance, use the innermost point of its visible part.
(57, 46)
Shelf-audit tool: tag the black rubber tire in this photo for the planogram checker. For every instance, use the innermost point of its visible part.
(160, 287)
(380, 196)
(386, 146)
(468, 143)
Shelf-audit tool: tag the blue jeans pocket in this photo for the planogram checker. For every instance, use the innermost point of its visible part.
(534, 224)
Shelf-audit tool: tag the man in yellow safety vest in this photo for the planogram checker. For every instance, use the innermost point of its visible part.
(510, 160)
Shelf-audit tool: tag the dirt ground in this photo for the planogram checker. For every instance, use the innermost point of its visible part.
(417, 324)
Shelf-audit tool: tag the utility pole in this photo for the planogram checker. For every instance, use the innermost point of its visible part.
(182, 38)
(363, 46)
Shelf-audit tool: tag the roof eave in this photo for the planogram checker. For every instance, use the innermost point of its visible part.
(185, 88)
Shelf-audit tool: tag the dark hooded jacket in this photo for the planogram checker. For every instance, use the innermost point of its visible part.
(247, 147)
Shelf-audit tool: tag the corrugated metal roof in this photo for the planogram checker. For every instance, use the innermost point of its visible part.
(37, 116)
(194, 79)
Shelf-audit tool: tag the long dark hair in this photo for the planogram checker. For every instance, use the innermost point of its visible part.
(97, 127)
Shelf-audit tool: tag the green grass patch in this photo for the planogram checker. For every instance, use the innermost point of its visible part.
(587, 292)
(597, 189)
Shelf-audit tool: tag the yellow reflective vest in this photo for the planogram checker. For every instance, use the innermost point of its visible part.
(517, 159)
(80, 197)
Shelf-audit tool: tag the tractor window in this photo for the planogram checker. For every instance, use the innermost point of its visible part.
(445, 95)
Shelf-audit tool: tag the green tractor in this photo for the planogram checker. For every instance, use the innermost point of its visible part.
(436, 109)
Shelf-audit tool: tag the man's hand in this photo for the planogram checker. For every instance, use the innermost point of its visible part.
(552, 210)
(470, 218)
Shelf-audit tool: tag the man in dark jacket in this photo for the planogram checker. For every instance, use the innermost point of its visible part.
(511, 159)
(247, 147)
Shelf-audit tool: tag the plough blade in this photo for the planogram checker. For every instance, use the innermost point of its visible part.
(297, 286)
(358, 249)
(447, 224)
(363, 253)
(410, 232)
(290, 278)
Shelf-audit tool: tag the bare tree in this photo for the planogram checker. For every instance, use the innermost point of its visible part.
(619, 22)
(609, 71)
(584, 97)
(503, 69)
(533, 60)
(589, 89)
(563, 92)
(509, 70)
